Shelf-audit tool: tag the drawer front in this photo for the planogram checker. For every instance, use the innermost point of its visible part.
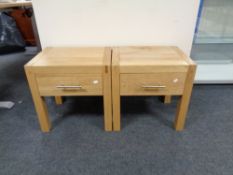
(70, 85)
(171, 83)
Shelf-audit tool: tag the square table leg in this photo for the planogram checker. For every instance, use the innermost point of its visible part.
(116, 104)
(107, 112)
(39, 103)
(184, 101)
(107, 98)
(58, 100)
(116, 92)
(107, 91)
(167, 99)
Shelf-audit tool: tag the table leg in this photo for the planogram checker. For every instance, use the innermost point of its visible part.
(58, 100)
(107, 111)
(107, 101)
(116, 105)
(116, 92)
(184, 101)
(39, 102)
(167, 99)
(107, 92)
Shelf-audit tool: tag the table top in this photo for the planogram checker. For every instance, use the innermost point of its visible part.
(72, 56)
(4, 5)
(154, 55)
(133, 59)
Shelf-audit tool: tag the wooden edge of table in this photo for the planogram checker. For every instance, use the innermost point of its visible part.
(175, 48)
(167, 99)
(116, 57)
(183, 105)
(33, 60)
(58, 100)
(107, 89)
(37, 57)
(116, 89)
(39, 102)
(183, 55)
(107, 56)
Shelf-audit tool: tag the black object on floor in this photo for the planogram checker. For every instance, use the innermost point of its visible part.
(11, 40)
(147, 144)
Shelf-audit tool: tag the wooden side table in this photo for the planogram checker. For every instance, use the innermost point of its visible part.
(70, 72)
(152, 71)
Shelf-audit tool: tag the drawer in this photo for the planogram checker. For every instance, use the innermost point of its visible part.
(164, 83)
(70, 85)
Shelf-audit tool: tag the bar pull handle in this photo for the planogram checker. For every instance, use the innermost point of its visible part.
(154, 87)
(63, 87)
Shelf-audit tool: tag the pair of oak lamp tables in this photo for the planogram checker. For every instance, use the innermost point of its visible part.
(111, 72)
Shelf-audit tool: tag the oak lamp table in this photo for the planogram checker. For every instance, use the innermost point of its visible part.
(70, 72)
(152, 71)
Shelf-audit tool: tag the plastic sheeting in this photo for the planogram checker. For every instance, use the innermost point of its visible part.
(10, 37)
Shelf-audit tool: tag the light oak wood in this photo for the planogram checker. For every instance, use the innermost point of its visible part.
(116, 90)
(71, 57)
(185, 98)
(144, 60)
(58, 100)
(133, 84)
(152, 71)
(39, 102)
(107, 90)
(61, 60)
(184, 56)
(167, 99)
(32, 63)
(91, 84)
(61, 71)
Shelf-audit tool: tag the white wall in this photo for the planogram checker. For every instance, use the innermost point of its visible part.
(116, 22)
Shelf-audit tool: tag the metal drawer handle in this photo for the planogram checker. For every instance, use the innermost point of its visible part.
(68, 87)
(154, 87)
